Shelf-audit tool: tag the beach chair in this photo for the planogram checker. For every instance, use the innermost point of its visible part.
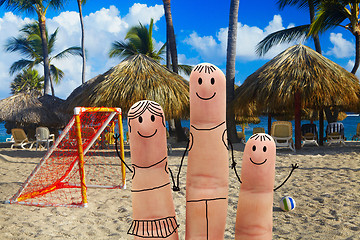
(241, 136)
(309, 134)
(335, 133)
(258, 130)
(20, 138)
(356, 137)
(43, 136)
(281, 131)
(10, 139)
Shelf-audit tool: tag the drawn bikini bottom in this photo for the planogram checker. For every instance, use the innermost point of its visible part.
(156, 228)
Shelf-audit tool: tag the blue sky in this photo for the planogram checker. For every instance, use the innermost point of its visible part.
(200, 28)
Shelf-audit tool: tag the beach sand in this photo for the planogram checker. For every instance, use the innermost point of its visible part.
(326, 188)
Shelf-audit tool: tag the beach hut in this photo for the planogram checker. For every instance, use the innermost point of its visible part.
(136, 78)
(297, 78)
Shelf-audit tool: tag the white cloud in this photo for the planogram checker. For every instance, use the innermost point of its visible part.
(342, 47)
(248, 37)
(101, 29)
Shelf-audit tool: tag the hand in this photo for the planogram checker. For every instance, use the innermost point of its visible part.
(294, 166)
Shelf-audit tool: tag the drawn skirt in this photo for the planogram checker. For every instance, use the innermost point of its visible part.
(157, 228)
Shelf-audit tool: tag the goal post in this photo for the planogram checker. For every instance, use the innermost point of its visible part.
(82, 157)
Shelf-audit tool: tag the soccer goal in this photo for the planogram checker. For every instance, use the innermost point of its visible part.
(82, 157)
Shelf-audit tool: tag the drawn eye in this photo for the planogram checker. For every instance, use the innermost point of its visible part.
(212, 81)
(254, 148)
(152, 118)
(200, 81)
(140, 119)
(264, 149)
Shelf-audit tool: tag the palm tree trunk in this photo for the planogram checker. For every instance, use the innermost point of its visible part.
(230, 70)
(52, 86)
(45, 51)
(82, 41)
(312, 19)
(357, 52)
(170, 36)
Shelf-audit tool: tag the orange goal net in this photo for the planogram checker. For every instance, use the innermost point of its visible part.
(83, 156)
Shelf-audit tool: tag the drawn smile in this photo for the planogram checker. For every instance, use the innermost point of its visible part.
(206, 98)
(258, 163)
(149, 136)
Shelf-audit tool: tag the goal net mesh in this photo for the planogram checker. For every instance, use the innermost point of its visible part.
(56, 180)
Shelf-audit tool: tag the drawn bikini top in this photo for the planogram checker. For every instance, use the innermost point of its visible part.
(211, 130)
(137, 168)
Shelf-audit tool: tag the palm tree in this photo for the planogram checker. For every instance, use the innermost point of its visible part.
(39, 7)
(139, 40)
(294, 33)
(333, 13)
(80, 3)
(29, 44)
(230, 69)
(26, 81)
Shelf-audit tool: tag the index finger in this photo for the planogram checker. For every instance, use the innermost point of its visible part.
(254, 210)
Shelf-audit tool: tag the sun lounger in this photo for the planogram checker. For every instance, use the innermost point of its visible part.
(43, 136)
(20, 138)
(281, 131)
(335, 133)
(309, 134)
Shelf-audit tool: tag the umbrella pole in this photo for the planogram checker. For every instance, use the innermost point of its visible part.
(269, 123)
(321, 126)
(297, 120)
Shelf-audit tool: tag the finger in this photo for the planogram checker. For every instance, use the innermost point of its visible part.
(153, 207)
(254, 210)
(207, 172)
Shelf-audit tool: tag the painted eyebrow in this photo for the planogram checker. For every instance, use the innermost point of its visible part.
(208, 69)
(262, 137)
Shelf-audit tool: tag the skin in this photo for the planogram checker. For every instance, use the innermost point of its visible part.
(208, 169)
(254, 210)
(148, 149)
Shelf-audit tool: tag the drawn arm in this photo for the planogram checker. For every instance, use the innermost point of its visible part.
(116, 137)
(294, 166)
(233, 163)
(176, 185)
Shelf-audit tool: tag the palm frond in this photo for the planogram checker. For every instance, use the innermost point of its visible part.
(282, 36)
(21, 64)
(75, 51)
(56, 73)
(299, 3)
(329, 15)
(52, 40)
(121, 49)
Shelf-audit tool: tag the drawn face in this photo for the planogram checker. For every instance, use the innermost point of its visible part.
(146, 120)
(147, 131)
(259, 157)
(207, 92)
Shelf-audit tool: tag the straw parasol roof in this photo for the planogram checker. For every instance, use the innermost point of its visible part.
(136, 78)
(298, 78)
(26, 108)
(320, 81)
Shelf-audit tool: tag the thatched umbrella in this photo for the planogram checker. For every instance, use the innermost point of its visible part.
(28, 111)
(136, 78)
(298, 77)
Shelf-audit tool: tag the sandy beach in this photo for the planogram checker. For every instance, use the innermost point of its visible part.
(326, 188)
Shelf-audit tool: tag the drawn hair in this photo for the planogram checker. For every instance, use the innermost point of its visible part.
(140, 107)
(207, 68)
(263, 137)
